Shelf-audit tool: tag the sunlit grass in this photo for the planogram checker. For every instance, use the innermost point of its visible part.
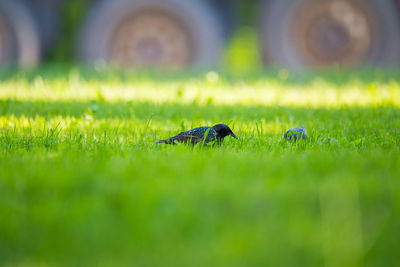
(82, 181)
(210, 89)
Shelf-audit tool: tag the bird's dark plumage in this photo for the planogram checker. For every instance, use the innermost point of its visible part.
(198, 135)
(295, 134)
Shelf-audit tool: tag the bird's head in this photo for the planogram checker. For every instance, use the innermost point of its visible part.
(223, 130)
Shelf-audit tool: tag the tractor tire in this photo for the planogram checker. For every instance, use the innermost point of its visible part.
(314, 33)
(19, 39)
(155, 33)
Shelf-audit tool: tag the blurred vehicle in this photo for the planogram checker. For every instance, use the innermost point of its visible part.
(181, 33)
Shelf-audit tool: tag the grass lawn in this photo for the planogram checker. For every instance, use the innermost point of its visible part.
(82, 182)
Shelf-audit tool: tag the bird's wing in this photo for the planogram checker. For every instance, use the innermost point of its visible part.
(185, 137)
(194, 132)
(194, 135)
(211, 135)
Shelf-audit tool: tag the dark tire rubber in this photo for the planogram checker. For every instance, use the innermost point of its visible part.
(20, 40)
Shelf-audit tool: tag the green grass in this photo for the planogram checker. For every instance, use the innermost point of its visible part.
(82, 182)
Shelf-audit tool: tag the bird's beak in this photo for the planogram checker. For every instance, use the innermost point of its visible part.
(233, 135)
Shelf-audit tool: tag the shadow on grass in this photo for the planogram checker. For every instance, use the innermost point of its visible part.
(146, 110)
(335, 76)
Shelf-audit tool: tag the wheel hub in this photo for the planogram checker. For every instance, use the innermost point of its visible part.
(330, 32)
(151, 38)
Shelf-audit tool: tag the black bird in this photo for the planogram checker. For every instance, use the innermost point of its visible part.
(197, 135)
(295, 134)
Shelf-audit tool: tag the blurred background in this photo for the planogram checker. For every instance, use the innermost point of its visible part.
(176, 34)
